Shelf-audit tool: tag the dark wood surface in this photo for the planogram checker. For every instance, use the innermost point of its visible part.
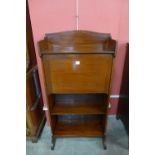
(35, 118)
(29, 40)
(123, 104)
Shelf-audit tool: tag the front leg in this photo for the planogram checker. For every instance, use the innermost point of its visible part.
(53, 142)
(104, 142)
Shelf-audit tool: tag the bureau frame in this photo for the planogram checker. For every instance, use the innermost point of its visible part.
(77, 68)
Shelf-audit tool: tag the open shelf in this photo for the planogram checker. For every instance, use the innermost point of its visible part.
(79, 104)
(82, 108)
(82, 125)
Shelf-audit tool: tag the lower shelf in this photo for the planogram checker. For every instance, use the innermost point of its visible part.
(79, 127)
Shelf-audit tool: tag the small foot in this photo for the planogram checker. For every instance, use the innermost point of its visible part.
(52, 147)
(53, 143)
(104, 144)
(104, 147)
(117, 117)
(34, 140)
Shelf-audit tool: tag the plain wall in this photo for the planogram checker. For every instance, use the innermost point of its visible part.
(109, 16)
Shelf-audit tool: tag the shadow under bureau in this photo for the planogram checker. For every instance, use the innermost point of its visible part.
(77, 69)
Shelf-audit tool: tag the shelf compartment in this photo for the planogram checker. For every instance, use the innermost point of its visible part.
(70, 126)
(81, 108)
(79, 104)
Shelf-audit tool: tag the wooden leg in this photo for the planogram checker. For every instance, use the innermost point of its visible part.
(117, 117)
(104, 142)
(53, 142)
(34, 140)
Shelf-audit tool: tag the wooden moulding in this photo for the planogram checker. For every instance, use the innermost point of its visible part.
(73, 42)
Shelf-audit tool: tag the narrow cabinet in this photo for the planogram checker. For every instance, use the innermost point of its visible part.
(77, 69)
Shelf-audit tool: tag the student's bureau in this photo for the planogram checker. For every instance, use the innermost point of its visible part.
(77, 68)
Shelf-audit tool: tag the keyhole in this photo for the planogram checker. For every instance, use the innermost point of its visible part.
(77, 62)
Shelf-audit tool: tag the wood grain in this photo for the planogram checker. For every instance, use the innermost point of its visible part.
(92, 75)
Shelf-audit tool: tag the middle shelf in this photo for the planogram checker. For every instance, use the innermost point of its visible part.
(65, 104)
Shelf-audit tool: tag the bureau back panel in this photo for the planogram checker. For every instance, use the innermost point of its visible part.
(77, 73)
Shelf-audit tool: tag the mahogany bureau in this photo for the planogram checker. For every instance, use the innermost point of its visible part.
(77, 70)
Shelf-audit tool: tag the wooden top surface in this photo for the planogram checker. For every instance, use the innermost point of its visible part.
(77, 42)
